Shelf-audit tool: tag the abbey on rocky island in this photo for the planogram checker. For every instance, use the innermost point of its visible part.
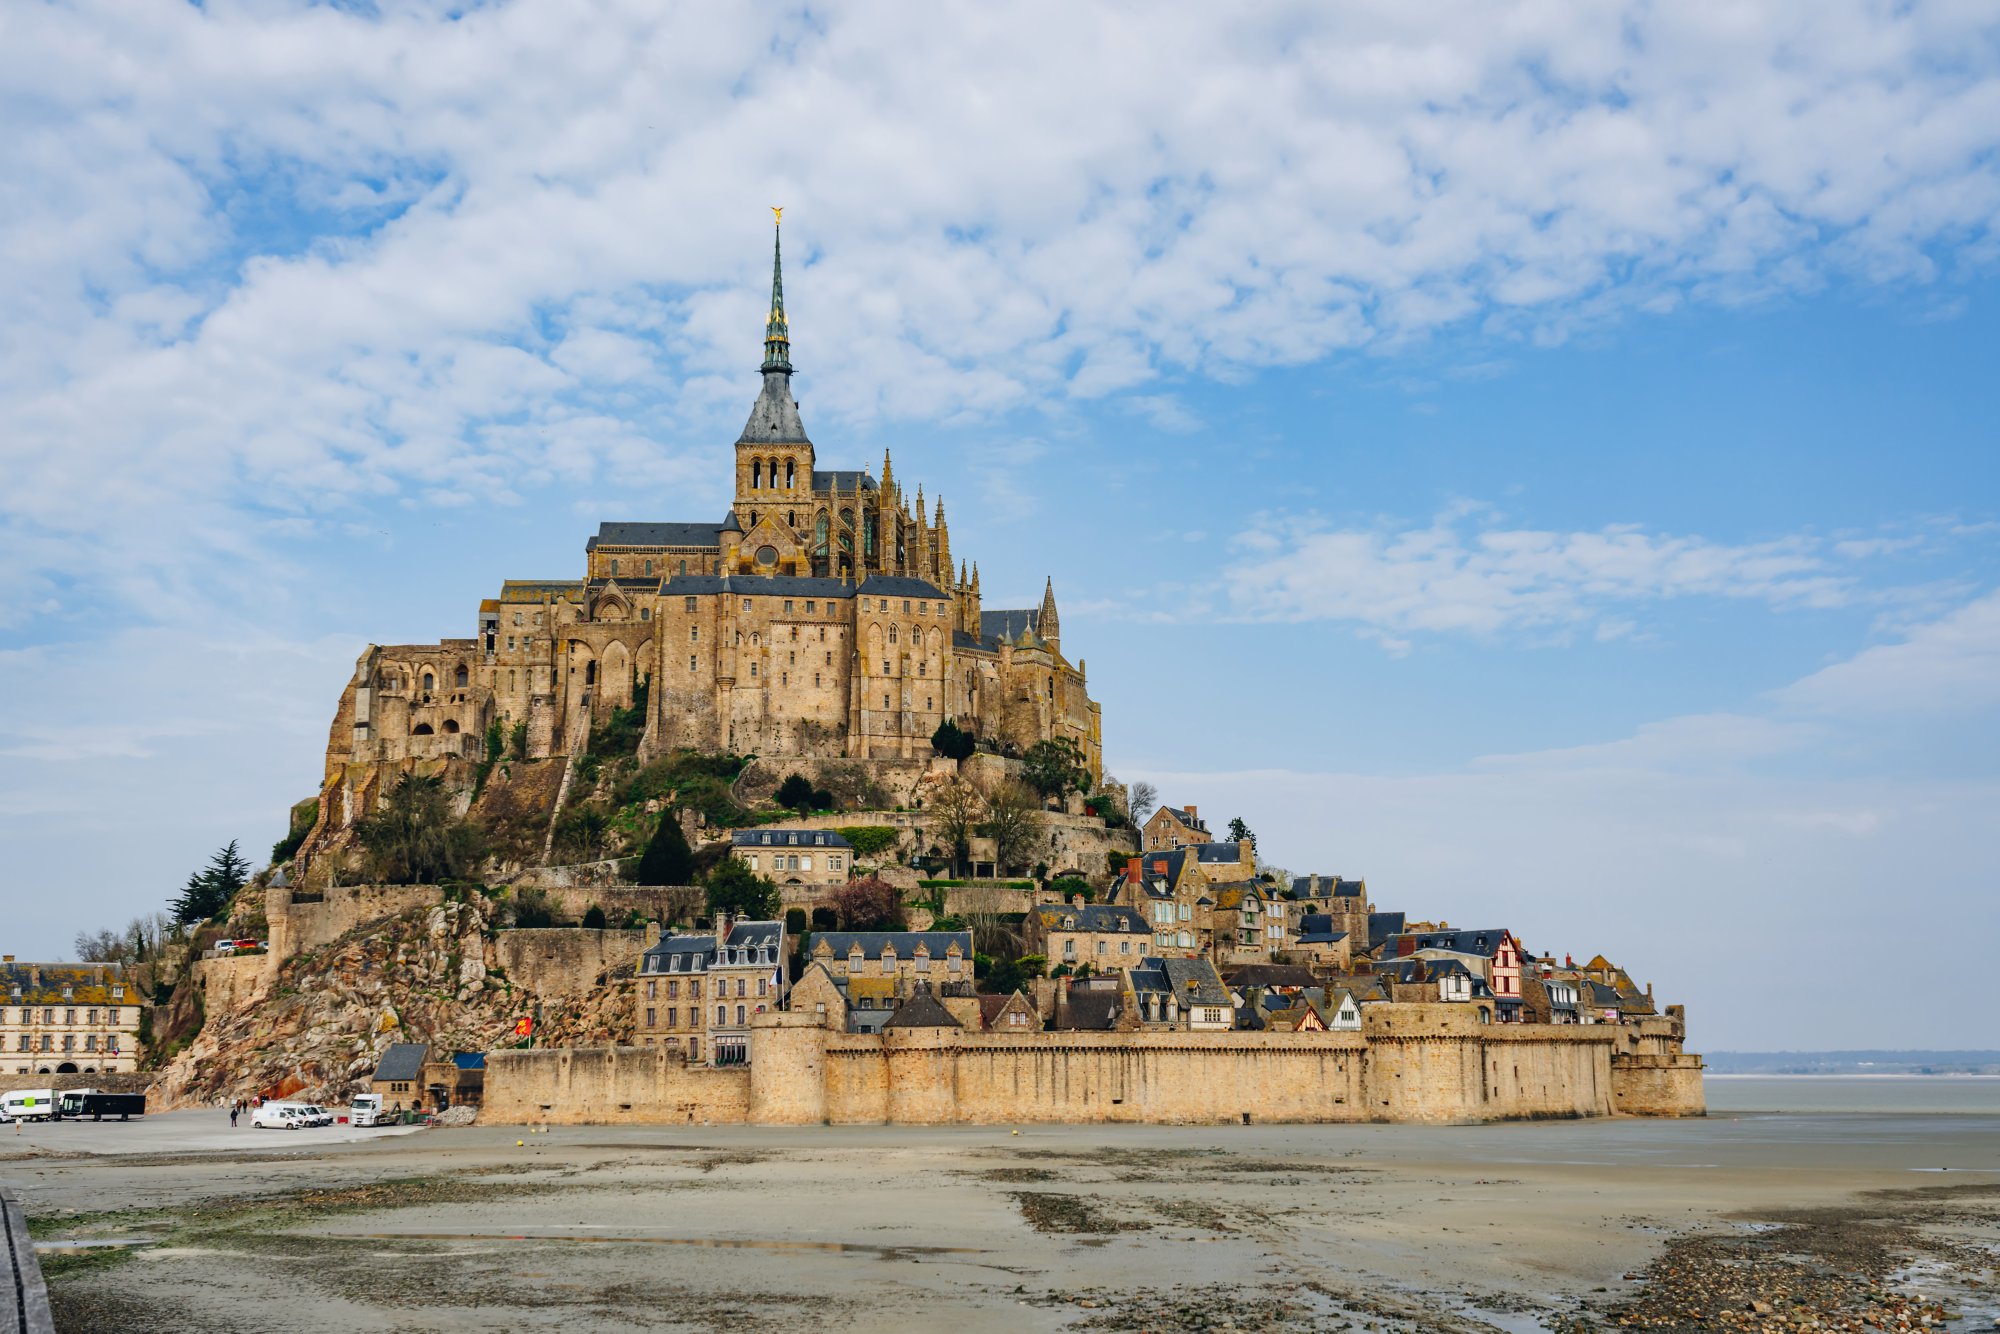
(821, 616)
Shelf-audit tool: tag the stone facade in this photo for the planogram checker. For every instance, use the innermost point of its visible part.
(67, 1018)
(823, 616)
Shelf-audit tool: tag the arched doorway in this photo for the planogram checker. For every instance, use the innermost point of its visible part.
(66, 1068)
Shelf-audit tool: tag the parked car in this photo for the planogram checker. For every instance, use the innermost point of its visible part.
(278, 1116)
(223, 947)
(27, 1105)
(318, 1115)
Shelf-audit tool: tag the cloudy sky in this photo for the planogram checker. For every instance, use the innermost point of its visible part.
(1540, 457)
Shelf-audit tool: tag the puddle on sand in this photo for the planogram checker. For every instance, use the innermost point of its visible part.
(880, 1252)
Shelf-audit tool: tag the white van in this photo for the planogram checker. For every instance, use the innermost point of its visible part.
(365, 1110)
(279, 1116)
(27, 1104)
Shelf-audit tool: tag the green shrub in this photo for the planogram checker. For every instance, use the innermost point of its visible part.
(869, 839)
(305, 815)
(668, 860)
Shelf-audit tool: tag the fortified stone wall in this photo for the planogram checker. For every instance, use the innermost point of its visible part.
(606, 1085)
(564, 960)
(236, 981)
(1413, 1063)
(302, 921)
(1658, 1086)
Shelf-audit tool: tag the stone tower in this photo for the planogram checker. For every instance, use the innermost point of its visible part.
(774, 459)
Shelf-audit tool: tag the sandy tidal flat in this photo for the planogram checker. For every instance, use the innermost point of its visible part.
(1548, 1226)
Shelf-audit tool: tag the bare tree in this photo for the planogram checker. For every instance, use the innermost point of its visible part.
(981, 909)
(1013, 822)
(1141, 800)
(954, 812)
(106, 946)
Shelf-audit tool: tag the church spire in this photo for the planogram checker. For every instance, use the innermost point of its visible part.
(1046, 624)
(777, 334)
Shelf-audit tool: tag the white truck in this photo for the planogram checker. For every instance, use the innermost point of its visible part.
(365, 1110)
(27, 1105)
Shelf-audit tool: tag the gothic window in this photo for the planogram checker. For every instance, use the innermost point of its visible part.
(868, 533)
(819, 534)
(756, 474)
(614, 569)
(892, 634)
(649, 567)
(430, 683)
(789, 474)
(460, 677)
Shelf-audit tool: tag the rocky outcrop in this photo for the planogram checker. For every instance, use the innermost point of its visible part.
(426, 974)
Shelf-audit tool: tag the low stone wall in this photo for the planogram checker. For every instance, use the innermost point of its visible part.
(563, 960)
(301, 921)
(1419, 1063)
(608, 1085)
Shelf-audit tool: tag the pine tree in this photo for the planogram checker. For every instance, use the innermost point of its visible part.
(667, 860)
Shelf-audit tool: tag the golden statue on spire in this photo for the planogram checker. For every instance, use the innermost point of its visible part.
(777, 215)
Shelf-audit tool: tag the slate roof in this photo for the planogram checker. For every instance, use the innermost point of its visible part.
(750, 935)
(1292, 1018)
(1317, 929)
(842, 479)
(1325, 887)
(678, 954)
(90, 983)
(1218, 852)
(1090, 917)
(1383, 925)
(755, 585)
(900, 586)
(1007, 624)
(1089, 1011)
(774, 417)
(936, 943)
(1185, 819)
(923, 1010)
(1598, 996)
(990, 1006)
(402, 1061)
(1162, 865)
(1484, 942)
(1194, 981)
(655, 535)
(788, 838)
(1270, 975)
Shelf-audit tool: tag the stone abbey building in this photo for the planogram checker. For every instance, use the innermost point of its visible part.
(823, 615)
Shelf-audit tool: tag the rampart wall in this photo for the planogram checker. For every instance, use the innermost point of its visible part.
(563, 960)
(1409, 1063)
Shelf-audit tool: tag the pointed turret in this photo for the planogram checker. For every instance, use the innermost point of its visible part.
(888, 476)
(941, 543)
(777, 334)
(1046, 623)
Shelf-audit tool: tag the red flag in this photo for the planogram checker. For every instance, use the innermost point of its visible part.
(525, 1026)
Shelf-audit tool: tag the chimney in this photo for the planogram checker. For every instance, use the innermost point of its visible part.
(1190, 810)
(652, 934)
(1076, 900)
(1131, 873)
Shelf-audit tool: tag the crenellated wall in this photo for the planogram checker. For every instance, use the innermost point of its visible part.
(1424, 1063)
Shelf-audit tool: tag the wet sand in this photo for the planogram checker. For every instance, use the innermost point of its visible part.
(1508, 1227)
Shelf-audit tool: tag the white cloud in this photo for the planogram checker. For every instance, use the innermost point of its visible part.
(1466, 572)
(312, 256)
(1951, 665)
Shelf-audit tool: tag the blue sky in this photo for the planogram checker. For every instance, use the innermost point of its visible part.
(1541, 460)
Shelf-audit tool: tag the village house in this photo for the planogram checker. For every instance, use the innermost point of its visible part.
(1172, 827)
(1103, 1004)
(1247, 923)
(455, 1078)
(794, 856)
(905, 958)
(1096, 935)
(1008, 1014)
(698, 992)
(1181, 994)
(1319, 943)
(1343, 1012)
(818, 993)
(399, 1075)
(1493, 952)
(1343, 900)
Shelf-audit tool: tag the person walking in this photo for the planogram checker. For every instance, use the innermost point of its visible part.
(234, 1108)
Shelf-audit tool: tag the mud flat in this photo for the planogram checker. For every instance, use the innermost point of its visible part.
(1753, 1221)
